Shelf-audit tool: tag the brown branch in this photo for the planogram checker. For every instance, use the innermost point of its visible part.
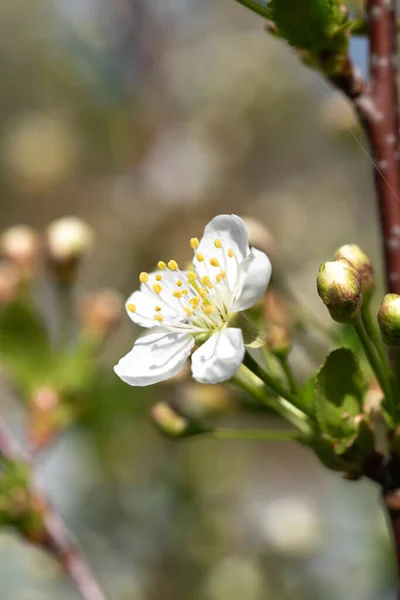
(56, 536)
(376, 104)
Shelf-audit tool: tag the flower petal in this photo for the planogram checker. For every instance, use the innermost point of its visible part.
(220, 357)
(255, 273)
(155, 357)
(232, 233)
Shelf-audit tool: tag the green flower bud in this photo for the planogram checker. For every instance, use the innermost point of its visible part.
(339, 286)
(361, 262)
(279, 341)
(389, 319)
(169, 421)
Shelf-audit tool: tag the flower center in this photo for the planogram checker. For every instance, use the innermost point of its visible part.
(198, 301)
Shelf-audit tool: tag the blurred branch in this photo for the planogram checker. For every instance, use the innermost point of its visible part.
(57, 538)
(376, 104)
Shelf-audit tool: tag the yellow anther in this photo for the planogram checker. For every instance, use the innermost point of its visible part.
(221, 276)
(218, 243)
(177, 294)
(199, 257)
(188, 311)
(195, 301)
(208, 309)
(231, 253)
(203, 292)
(157, 308)
(184, 292)
(173, 265)
(157, 288)
(158, 277)
(179, 283)
(205, 280)
(131, 308)
(194, 243)
(143, 277)
(161, 264)
(192, 276)
(158, 318)
(214, 262)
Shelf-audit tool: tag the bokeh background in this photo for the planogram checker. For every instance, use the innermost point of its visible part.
(146, 118)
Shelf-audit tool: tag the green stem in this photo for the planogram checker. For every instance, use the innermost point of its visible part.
(371, 327)
(396, 354)
(65, 314)
(255, 7)
(237, 434)
(270, 381)
(254, 386)
(376, 365)
(289, 375)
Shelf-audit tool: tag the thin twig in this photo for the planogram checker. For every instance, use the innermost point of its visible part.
(57, 536)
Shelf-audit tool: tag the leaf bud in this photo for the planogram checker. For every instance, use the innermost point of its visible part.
(278, 341)
(389, 320)
(339, 286)
(362, 263)
(68, 241)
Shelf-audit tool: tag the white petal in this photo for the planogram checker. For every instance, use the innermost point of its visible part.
(232, 232)
(219, 358)
(146, 300)
(155, 357)
(255, 275)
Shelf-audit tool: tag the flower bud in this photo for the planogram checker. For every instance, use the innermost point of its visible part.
(389, 320)
(100, 313)
(339, 286)
(276, 309)
(45, 416)
(169, 421)
(278, 341)
(10, 282)
(20, 245)
(68, 241)
(361, 262)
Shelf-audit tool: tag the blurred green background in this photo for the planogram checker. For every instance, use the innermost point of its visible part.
(146, 118)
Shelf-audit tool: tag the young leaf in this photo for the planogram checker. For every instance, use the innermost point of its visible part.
(339, 389)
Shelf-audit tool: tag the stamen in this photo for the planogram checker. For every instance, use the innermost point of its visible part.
(131, 308)
(200, 257)
(158, 277)
(188, 311)
(177, 294)
(208, 309)
(143, 277)
(192, 276)
(194, 243)
(231, 253)
(195, 301)
(214, 262)
(157, 308)
(157, 288)
(179, 283)
(158, 318)
(218, 243)
(203, 293)
(173, 265)
(185, 292)
(205, 280)
(221, 276)
(161, 264)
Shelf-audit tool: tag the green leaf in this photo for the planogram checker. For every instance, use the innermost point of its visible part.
(307, 397)
(24, 345)
(307, 24)
(339, 390)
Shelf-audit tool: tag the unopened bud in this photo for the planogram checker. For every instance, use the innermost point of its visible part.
(100, 313)
(169, 421)
(279, 341)
(339, 286)
(68, 241)
(45, 416)
(10, 282)
(389, 320)
(276, 309)
(20, 245)
(362, 263)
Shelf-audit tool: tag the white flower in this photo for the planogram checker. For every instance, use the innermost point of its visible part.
(185, 308)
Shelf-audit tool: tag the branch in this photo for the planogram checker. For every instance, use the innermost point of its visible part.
(57, 538)
(376, 104)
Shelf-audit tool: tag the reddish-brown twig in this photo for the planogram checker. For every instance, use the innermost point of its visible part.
(57, 538)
